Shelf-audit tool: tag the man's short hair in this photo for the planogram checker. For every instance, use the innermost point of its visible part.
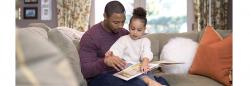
(114, 7)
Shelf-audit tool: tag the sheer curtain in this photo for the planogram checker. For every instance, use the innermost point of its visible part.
(221, 14)
(73, 14)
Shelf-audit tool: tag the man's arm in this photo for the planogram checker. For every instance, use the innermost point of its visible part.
(91, 65)
(114, 61)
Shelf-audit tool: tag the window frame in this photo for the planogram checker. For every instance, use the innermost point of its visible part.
(142, 3)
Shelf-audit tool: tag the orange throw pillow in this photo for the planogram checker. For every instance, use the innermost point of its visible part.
(213, 57)
(222, 60)
(210, 36)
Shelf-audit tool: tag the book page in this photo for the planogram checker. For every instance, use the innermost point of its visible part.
(134, 70)
(166, 62)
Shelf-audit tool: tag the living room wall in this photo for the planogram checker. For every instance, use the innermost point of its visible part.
(21, 22)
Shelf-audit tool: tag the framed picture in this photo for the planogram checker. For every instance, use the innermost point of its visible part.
(30, 1)
(30, 12)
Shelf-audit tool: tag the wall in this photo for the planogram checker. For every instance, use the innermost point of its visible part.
(25, 22)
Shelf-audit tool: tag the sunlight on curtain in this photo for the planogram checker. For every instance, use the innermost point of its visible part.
(73, 14)
(221, 14)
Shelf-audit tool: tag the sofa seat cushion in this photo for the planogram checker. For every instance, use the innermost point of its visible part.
(189, 80)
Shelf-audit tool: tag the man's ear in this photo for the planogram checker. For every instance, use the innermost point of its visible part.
(105, 16)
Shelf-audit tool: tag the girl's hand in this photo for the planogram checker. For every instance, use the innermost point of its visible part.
(144, 65)
(144, 68)
(151, 82)
(154, 83)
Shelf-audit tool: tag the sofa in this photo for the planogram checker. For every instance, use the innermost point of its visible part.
(158, 40)
(48, 57)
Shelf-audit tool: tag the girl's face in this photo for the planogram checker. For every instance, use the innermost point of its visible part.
(136, 29)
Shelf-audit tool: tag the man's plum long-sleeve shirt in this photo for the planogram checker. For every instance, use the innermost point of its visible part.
(93, 46)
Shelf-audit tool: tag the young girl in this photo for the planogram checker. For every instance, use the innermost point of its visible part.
(134, 48)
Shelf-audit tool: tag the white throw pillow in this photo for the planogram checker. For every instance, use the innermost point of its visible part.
(181, 50)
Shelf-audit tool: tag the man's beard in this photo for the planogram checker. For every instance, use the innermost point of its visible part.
(115, 31)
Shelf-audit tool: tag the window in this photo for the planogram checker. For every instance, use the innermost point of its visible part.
(166, 16)
(100, 5)
(163, 15)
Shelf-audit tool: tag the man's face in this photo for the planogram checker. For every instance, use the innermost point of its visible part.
(115, 22)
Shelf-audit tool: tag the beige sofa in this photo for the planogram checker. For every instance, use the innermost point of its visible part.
(47, 57)
(158, 41)
(51, 58)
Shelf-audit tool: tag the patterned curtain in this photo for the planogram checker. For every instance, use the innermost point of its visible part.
(74, 14)
(221, 14)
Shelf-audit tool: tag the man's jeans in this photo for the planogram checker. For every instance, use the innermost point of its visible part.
(107, 79)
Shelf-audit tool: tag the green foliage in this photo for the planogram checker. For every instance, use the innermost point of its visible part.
(167, 24)
(159, 20)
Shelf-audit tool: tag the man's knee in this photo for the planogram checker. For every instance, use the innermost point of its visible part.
(106, 80)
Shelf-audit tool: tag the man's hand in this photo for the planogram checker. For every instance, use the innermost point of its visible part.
(114, 61)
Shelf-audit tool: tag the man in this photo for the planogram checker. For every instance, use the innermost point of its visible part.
(95, 67)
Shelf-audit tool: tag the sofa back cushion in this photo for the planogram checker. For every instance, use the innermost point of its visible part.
(35, 31)
(40, 25)
(71, 33)
(154, 45)
(66, 45)
(40, 63)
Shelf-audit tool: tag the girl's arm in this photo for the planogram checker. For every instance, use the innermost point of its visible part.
(144, 65)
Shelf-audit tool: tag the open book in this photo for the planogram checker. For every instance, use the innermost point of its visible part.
(134, 70)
